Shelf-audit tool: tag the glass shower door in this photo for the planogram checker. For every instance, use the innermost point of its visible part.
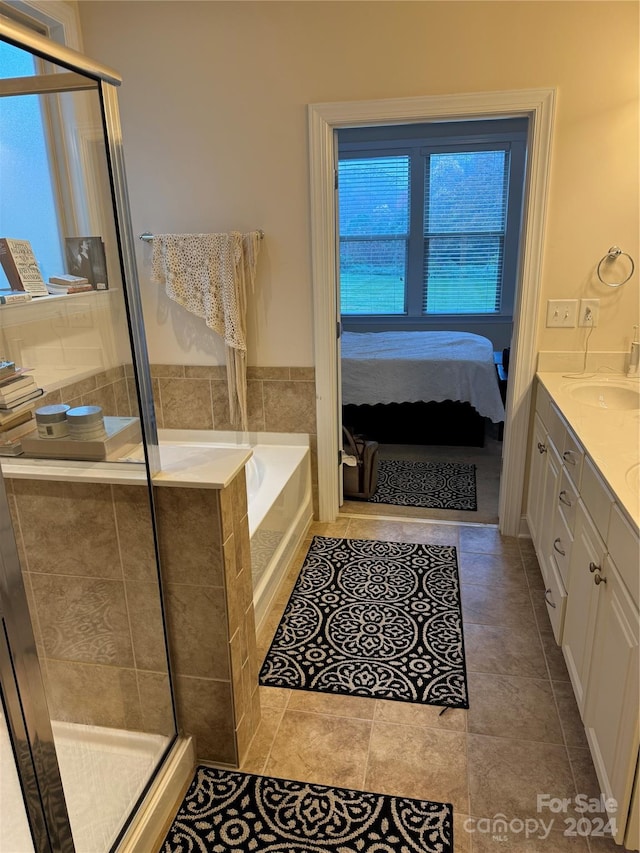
(33, 815)
(15, 833)
(80, 517)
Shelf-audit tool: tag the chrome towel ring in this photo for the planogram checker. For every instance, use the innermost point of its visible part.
(614, 253)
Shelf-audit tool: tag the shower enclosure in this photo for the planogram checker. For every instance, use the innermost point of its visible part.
(87, 714)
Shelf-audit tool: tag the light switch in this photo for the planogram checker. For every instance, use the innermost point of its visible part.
(562, 313)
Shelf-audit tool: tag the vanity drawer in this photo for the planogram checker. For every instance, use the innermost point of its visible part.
(567, 499)
(561, 542)
(597, 498)
(573, 457)
(555, 596)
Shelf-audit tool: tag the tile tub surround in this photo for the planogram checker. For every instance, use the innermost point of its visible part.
(112, 389)
(206, 561)
(89, 567)
(279, 399)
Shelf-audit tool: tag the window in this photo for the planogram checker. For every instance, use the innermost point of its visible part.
(429, 220)
(26, 183)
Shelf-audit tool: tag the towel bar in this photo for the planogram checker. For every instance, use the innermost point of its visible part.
(148, 236)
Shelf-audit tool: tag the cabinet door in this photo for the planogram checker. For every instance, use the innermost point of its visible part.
(549, 509)
(611, 708)
(537, 469)
(587, 556)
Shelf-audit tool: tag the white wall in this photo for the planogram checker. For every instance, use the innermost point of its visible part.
(213, 110)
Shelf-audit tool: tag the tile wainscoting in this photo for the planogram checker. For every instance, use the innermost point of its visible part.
(279, 399)
(112, 389)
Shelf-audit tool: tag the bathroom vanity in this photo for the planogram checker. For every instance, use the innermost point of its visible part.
(583, 509)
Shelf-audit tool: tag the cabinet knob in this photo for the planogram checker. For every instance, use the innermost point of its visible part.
(562, 497)
(556, 545)
(568, 457)
(541, 447)
(547, 593)
(599, 579)
(593, 567)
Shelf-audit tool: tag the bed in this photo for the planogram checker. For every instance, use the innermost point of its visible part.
(386, 373)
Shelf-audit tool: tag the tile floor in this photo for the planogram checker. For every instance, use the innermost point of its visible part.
(521, 736)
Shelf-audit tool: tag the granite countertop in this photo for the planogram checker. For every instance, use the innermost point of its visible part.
(610, 437)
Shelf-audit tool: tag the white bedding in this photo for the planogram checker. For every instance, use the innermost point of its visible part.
(408, 367)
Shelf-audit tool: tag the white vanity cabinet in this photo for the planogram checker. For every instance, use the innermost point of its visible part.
(550, 495)
(586, 566)
(611, 707)
(537, 474)
(589, 556)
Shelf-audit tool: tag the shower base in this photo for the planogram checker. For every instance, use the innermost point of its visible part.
(103, 771)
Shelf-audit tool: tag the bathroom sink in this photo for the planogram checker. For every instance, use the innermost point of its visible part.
(607, 395)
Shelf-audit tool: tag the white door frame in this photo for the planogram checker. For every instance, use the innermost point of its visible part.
(324, 119)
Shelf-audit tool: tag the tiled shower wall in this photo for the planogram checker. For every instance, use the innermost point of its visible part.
(108, 388)
(89, 568)
(96, 610)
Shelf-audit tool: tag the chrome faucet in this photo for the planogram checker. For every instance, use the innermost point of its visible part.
(634, 354)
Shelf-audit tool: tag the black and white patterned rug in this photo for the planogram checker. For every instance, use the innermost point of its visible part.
(432, 485)
(377, 619)
(225, 811)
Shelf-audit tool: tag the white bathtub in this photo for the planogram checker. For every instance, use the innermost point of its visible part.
(280, 511)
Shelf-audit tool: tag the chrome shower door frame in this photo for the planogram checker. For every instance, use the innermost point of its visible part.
(25, 703)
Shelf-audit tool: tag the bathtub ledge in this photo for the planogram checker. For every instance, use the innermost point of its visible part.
(207, 467)
(191, 464)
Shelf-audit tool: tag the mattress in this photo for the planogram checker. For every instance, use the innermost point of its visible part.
(409, 367)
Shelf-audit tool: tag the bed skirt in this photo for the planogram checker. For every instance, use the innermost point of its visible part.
(449, 423)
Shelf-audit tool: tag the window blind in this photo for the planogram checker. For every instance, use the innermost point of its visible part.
(374, 231)
(464, 231)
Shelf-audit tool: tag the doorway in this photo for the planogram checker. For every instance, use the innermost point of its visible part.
(324, 120)
(429, 224)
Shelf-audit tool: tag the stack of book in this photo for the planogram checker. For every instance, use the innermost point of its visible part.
(18, 392)
(63, 284)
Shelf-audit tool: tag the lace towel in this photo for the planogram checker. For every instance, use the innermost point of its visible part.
(208, 274)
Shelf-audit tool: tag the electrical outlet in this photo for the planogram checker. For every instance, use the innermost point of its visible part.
(562, 313)
(589, 312)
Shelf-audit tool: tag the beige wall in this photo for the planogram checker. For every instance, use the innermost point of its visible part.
(213, 109)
